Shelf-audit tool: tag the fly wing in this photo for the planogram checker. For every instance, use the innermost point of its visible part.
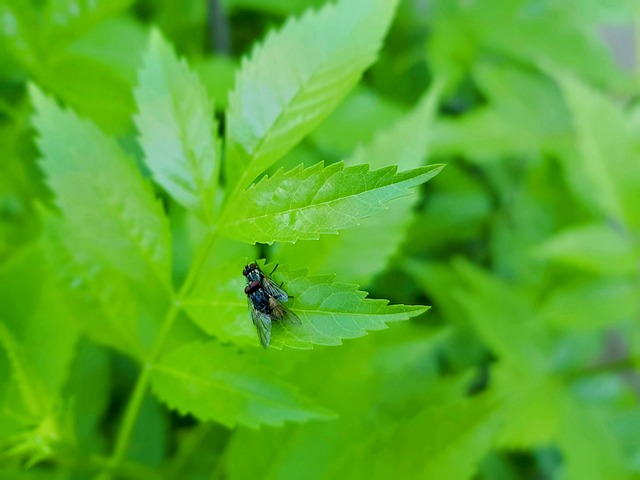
(283, 314)
(262, 323)
(273, 289)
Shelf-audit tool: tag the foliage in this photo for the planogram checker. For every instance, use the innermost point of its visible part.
(152, 149)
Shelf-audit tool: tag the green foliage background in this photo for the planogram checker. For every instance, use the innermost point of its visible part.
(149, 149)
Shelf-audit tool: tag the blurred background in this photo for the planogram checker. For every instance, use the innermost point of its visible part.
(526, 245)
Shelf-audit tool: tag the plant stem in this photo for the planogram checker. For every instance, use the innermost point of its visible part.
(142, 383)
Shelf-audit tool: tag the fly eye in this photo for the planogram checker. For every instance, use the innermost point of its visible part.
(247, 290)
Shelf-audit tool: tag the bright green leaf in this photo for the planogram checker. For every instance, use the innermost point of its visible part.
(71, 18)
(217, 303)
(86, 395)
(92, 89)
(329, 311)
(35, 327)
(588, 447)
(358, 253)
(358, 118)
(594, 247)
(606, 172)
(590, 304)
(101, 298)
(296, 77)
(218, 383)
(177, 129)
(102, 194)
(503, 317)
(452, 439)
(532, 408)
(302, 204)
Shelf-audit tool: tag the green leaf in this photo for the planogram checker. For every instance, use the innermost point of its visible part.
(591, 304)
(102, 298)
(77, 16)
(87, 394)
(38, 334)
(593, 247)
(329, 311)
(35, 327)
(220, 307)
(502, 315)
(407, 140)
(457, 435)
(177, 129)
(92, 89)
(360, 252)
(303, 203)
(588, 446)
(218, 383)
(296, 77)
(532, 408)
(358, 118)
(606, 173)
(108, 204)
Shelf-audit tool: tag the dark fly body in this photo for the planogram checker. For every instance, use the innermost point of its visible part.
(264, 298)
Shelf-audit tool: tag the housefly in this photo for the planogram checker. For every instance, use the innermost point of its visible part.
(265, 297)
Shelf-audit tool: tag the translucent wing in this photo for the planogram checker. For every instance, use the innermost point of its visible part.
(273, 289)
(262, 323)
(283, 314)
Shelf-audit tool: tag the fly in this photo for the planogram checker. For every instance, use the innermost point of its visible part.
(265, 297)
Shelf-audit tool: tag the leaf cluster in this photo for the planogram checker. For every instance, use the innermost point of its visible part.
(152, 149)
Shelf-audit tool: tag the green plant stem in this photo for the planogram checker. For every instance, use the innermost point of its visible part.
(142, 383)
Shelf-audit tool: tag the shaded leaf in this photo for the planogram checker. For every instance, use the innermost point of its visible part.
(593, 247)
(177, 129)
(218, 383)
(104, 197)
(502, 315)
(588, 447)
(605, 175)
(591, 304)
(360, 252)
(100, 297)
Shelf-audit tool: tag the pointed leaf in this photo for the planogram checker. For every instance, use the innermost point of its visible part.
(503, 317)
(102, 194)
(453, 438)
(37, 332)
(296, 77)
(329, 311)
(588, 445)
(359, 253)
(218, 383)
(102, 299)
(593, 247)
(606, 173)
(177, 129)
(302, 204)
